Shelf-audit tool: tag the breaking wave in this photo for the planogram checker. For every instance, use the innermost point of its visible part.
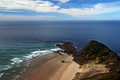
(17, 60)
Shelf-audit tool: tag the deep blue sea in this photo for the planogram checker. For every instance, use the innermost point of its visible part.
(20, 41)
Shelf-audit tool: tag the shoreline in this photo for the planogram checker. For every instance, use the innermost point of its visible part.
(53, 66)
(36, 63)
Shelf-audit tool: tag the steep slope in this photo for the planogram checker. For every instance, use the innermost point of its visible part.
(98, 52)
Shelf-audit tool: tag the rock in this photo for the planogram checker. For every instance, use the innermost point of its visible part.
(68, 47)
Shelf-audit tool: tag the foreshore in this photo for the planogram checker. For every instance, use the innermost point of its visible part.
(52, 66)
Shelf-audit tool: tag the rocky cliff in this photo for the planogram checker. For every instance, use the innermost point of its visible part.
(67, 47)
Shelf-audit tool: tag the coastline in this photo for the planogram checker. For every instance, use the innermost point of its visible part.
(37, 63)
(61, 66)
(48, 67)
(51, 67)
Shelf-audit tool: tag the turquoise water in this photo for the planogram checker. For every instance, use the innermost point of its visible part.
(20, 41)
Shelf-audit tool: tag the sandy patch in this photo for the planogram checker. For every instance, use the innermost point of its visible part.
(69, 73)
(91, 69)
(85, 70)
(51, 70)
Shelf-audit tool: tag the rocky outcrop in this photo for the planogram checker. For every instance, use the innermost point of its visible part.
(67, 47)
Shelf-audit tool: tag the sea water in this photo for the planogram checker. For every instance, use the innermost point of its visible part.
(21, 41)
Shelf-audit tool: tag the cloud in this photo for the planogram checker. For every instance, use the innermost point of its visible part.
(9, 10)
(47, 6)
(38, 5)
(100, 8)
(62, 1)
(21, 17)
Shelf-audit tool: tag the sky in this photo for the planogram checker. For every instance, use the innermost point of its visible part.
(59, 10)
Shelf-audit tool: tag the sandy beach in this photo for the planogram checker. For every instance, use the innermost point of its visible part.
(50, 68)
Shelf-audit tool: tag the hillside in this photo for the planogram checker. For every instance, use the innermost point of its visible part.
(96, 59)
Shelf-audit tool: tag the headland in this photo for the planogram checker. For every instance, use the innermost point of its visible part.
(94, 62)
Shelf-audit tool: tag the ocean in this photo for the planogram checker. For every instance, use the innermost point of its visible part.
(21, 41)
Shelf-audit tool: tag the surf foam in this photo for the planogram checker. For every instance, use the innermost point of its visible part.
(40, 53)
(17, 60)
(1, 74)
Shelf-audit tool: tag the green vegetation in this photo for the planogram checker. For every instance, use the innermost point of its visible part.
(79, 67)
(95, 49)
(76, 76)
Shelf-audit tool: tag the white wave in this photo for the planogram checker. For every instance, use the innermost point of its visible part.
(16, 60)
(46, 51)
(1, 74)
(27, 57)
(32, 54)
(40, 53)
(55, 49)
(5, 67)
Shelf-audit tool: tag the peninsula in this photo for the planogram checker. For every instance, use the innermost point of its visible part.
(94, 62)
